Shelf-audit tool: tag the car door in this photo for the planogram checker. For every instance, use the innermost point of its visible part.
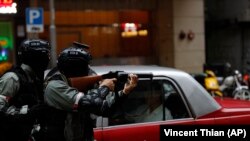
(138, 117)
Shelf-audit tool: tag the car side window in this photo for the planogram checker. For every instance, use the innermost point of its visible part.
(152, 100)
(174, 102)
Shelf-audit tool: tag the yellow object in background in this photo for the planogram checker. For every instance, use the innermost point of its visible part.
(4, 66)
(211, 83)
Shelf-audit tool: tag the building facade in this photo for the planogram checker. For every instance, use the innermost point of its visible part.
(159, 32)
(228, 33)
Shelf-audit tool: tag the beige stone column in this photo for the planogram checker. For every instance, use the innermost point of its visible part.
(189, 52)
(171, 17)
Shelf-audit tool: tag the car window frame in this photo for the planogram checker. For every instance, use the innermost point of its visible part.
(103, 121)
(180, 92)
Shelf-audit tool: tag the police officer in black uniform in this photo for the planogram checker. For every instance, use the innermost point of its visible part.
(69, 117)
(21, 88)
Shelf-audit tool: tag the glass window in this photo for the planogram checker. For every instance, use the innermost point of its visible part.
(174, 102)
(155, 100)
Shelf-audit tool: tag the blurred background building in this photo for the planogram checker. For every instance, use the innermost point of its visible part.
(160, 32)
(228, 33)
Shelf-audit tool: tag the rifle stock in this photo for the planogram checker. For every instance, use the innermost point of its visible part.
(83, 83)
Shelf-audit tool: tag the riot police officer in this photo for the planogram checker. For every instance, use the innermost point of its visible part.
(21, 88)
(70, 108)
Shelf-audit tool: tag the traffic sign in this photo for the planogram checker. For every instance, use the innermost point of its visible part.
(34, 20)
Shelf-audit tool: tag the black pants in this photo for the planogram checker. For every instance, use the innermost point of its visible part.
(15, 132)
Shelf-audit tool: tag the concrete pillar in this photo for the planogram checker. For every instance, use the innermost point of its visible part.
(188, 16)
(171, 17)
(163, 33)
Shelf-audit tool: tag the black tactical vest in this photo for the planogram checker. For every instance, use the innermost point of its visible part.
(18, 126)
(30, 92)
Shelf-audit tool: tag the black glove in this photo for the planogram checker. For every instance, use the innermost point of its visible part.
(15, 118)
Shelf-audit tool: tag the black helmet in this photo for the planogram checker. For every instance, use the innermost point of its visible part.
(74, 61)
(35, 53)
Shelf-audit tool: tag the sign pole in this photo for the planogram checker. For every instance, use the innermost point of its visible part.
(52, 34)
(32, 35)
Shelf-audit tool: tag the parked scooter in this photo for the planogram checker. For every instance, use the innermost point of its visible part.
(233, 86)
(212, 84)
(246, 76)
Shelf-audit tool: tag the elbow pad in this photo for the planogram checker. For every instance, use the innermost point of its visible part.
(93, 100)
